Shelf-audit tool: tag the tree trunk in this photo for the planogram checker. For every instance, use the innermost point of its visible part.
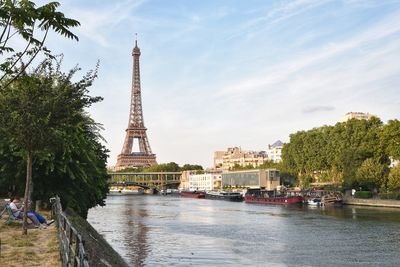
(27, 191)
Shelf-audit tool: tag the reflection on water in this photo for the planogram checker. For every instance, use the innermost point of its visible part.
(164, 231)
(135, 236)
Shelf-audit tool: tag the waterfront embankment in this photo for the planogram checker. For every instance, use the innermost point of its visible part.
(98, 250)
(373, 202)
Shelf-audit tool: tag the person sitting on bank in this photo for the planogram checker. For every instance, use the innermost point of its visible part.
(35, 217)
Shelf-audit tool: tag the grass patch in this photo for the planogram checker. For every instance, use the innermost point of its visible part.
(30, 253)
(363, 194)
(38, 248)
(22, 243)
(53, 245)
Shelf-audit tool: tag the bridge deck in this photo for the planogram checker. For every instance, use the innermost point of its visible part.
(146, 179)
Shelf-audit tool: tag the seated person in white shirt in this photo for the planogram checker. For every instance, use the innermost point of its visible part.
(35, 217)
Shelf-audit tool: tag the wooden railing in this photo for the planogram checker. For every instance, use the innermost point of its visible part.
(71, 244)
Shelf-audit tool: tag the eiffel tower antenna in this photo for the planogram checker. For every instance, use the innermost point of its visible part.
(136, 129)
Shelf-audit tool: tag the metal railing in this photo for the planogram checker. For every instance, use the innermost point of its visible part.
(71, 244)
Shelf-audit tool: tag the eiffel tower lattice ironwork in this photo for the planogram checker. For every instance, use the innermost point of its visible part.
(136, 128)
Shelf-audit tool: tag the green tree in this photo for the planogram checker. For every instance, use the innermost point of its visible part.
(371, 174)
(76, 170)
(390, 139)
(358, 140)
(164, 167)
(394, 179)
(269, 164)
(41, 111)
(333, 153)
(22, 22)
(238, 167)
(190, 167)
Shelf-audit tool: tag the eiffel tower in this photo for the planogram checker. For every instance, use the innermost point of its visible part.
(136, 129)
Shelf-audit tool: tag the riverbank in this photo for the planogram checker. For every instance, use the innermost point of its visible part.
(98, 250)
(38, 248)
(372, 202)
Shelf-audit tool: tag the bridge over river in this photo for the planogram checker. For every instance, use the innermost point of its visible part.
(155, 180)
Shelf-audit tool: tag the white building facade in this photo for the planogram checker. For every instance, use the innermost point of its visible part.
(204, 182)
(356, 115)
(274, 151)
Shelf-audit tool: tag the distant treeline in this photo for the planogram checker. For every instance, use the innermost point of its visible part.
(166, 167)
(356, 153)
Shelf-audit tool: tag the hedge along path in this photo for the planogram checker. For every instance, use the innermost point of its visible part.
(39, 248)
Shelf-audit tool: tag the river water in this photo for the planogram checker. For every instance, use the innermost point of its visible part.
(174, 231)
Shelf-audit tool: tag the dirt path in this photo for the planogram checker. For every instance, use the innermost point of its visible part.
(38, 248)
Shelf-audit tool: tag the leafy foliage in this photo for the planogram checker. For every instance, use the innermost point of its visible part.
(165, 167)
(190, 167)
(371, 174)
(363, 194)
(43, 113)
(337, 153)
(390, 139)
(394, 179)
(21, 21)
(238, 167)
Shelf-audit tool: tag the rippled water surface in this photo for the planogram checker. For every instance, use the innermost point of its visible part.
(173, 231)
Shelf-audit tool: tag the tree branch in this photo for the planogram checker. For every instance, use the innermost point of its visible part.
(5, 29)
(14, 33)
(16, 61)
(29, 62)
(8, 25)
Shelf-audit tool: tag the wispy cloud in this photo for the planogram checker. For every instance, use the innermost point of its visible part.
(314, 109)
(287, 10)
(97, 23)
(278, 13)
(279, 73)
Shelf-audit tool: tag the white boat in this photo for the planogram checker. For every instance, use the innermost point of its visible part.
(316, 201)
(115, 191)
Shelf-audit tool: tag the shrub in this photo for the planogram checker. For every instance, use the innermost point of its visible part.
(390, 195)
(363, 194)
(394, 179)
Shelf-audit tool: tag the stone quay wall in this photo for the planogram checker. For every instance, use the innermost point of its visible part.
(372, 202)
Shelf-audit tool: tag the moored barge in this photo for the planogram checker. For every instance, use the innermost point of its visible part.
(271, 197)
(194, 194)
(229, 196)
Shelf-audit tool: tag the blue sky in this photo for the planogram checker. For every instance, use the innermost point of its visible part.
(217, 74)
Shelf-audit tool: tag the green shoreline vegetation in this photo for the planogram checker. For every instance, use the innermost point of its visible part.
(354, 154)
(49, 144)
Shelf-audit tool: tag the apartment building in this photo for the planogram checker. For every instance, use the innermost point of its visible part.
(236, 156)
(274, 151)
